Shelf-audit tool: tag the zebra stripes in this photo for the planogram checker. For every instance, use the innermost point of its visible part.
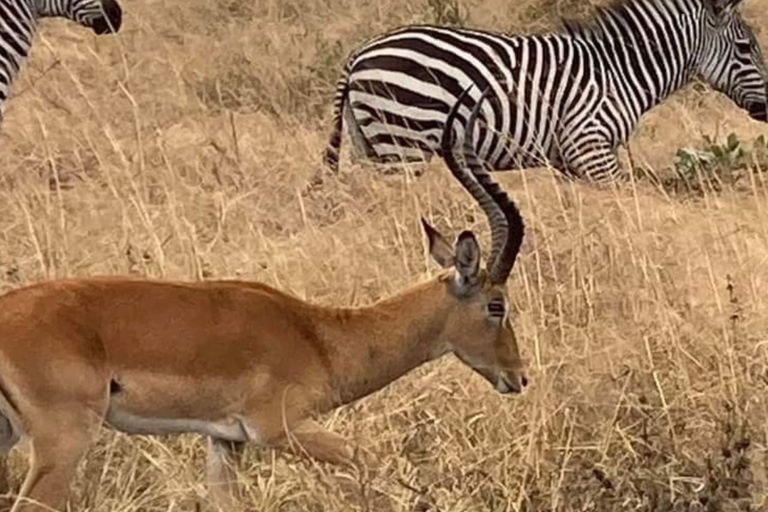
(18, 20)
(567, 98)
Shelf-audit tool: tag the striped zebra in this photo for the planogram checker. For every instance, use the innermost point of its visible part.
(18, 20)
(567, 98)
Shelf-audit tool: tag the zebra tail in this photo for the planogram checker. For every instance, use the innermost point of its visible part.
(332, 151)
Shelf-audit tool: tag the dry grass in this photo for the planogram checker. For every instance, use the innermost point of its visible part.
(183, 149)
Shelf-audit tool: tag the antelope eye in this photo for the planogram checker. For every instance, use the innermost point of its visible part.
(496, 308)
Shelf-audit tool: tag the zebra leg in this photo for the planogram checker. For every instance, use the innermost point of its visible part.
(592, 158)
(361, 148)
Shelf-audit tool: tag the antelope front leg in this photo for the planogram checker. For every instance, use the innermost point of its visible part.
(5, 500)
(8, 439)
(58, 443)
(223, 459)
(307, 437)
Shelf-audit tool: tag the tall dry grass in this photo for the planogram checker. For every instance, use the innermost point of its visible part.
(186, 148)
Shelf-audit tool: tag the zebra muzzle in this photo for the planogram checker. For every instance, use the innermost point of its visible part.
(112, 19)
(758, 111)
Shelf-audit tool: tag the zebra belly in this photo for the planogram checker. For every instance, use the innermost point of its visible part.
(405, 123)
(393, 132)
(538, 154)
(402, 87)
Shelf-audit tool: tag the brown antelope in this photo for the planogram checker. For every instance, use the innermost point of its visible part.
(240, 362)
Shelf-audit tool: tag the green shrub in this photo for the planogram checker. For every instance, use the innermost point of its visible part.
(716, 166)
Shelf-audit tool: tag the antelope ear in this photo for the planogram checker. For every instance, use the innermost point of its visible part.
(467, 256)
(439, 248)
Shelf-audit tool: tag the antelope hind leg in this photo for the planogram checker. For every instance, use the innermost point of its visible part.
(307, 437)
(223, 459)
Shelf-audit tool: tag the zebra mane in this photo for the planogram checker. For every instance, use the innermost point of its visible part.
(592, 27)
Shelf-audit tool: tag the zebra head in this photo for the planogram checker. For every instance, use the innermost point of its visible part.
(731, 60)
(103, 16)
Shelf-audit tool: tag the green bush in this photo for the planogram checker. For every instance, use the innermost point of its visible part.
(717, 166)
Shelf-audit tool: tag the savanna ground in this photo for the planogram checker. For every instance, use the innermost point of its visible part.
(187, 148)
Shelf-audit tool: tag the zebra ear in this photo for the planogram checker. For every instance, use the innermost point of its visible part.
(720, 7)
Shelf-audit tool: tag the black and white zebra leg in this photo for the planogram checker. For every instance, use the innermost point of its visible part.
(592, 158)
(604, 168)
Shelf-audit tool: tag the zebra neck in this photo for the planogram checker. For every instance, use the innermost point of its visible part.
(51, 8)
(650, 47)
(17, 28)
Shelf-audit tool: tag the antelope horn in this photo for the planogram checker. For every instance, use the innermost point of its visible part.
(490, 207)
(512, 230)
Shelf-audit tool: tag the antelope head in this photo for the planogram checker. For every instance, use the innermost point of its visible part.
(480, 332)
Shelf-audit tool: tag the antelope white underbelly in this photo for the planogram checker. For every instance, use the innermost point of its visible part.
(231, 428)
